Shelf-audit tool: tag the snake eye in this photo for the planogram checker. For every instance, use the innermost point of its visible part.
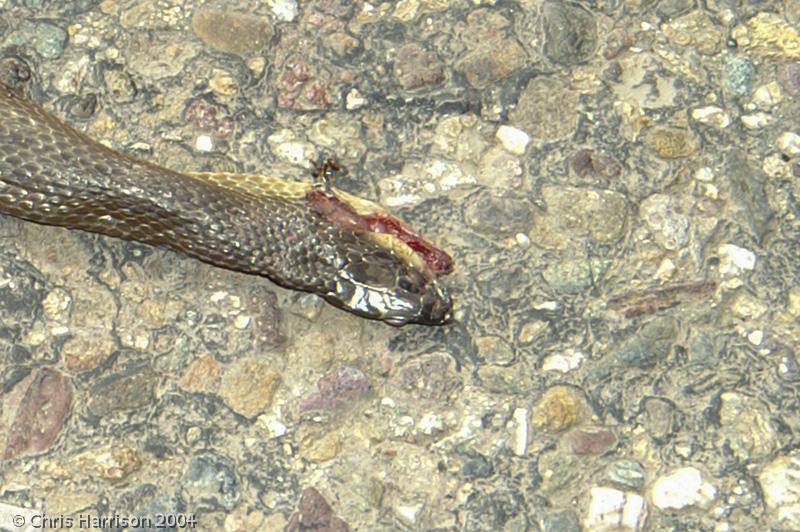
(405, 284)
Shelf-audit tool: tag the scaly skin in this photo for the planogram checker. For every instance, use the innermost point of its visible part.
(52, 174)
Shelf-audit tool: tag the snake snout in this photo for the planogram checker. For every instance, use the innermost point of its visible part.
(436, 307)
(385, 288)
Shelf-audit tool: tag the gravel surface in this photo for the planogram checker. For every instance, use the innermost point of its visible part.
(618, 183)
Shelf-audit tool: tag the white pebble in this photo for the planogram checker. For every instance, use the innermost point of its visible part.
(711, 191)
(519, 443)
(734, 260)
(522, 240)
(204, 143)
(681, 488)
(756, 337)
(767, 95)
(756, 120)
(514, 140)
(431, 423)
(546, 305)
(704, 174)
(789, 143)
(713, 116)
(563, 362)
(409, 513)
(285, 10)
(354, 100)
(612, 509)
(666, 269)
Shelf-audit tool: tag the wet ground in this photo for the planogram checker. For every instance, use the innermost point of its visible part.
(617, 182)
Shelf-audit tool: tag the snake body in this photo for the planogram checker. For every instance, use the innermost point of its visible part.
(300, 236)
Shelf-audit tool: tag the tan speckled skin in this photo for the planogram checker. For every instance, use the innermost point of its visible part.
(52, 174)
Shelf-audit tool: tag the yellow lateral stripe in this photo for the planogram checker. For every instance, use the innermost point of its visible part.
(270, 186)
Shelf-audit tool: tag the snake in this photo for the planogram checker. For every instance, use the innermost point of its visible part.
(303, 235)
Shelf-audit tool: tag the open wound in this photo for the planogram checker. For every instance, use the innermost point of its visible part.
(337, 211)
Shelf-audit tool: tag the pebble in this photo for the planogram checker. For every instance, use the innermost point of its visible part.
(779, 483)
(46, 38)
(662, 215)
(500, 216)
(294, 152)
(202, 375)
(789, 143)
(275, 428)
(738, 75)
(648, 345)
(747, 306)
(247, 386)
(681, 488)
(626, 473)
(757, 120)
(615, 510)
(568, 276)
(355, 100)
(416, 67)
(563, 362)
(704, 174)
(492, 61)
(767, 96)
(514, 140)
(204, 143)
(284, 10)
(499, 169)
(321, 449)
(776, 167)
(559, 408)
(343, 385)
(666, 268)
(110, 462)
(431, 423)
(768, 36)
(211, 478)
(547, 109)
(315, 513)
(494, 349)
(789, 77)
(671, 142)
(734, 260)
(131, 389)
(756, 337)
(571, 33)
(713, 116)
(695, 30)
(38, 407)
(235, 33)
(223, 82)
(747, 430)
(589, 440)
(575, 215)
(519, 442)
(409, 513)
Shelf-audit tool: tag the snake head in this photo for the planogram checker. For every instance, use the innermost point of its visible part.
(381, 286)
(390, 272)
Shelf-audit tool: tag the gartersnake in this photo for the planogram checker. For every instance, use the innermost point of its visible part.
(300, 235)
